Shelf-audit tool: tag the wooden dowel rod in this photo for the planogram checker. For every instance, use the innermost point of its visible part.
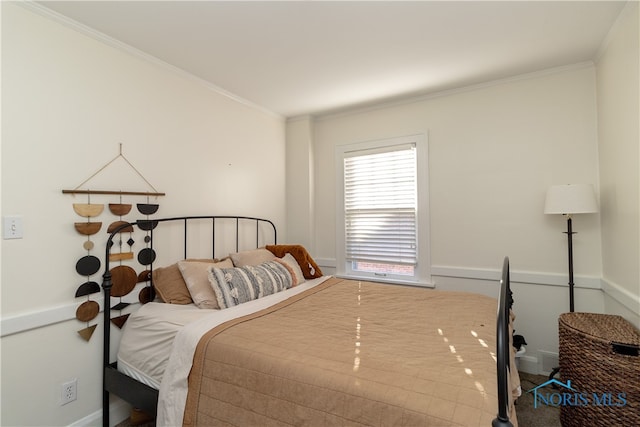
(125, 193)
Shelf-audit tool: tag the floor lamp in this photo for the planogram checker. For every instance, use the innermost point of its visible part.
(568, 200)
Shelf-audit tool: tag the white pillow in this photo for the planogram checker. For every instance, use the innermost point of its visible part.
(196, 276)
(294, 268)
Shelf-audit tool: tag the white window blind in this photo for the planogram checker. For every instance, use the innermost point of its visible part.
(380, 205)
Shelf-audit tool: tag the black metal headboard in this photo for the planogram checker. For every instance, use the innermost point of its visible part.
(150, 225)
(138, 394)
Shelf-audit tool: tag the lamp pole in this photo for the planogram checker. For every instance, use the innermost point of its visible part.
(569, 233)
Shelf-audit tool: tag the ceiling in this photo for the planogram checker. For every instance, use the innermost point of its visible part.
(298, 58)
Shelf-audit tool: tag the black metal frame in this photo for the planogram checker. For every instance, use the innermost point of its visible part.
(140, 395)
(503, 347)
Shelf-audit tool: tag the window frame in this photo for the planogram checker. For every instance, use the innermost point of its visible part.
(422, 274)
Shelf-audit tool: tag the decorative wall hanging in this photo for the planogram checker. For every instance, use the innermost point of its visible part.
(124, 277)
(120, 209)
(147, 255)
(88, 265)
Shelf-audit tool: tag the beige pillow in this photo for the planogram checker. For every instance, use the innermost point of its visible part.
(169, 284)
(294, 268)
(252, 257)
(196, 276)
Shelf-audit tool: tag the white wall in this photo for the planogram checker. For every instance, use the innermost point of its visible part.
(493, 152)
(300, 188)
(68, 101)
(618, 91)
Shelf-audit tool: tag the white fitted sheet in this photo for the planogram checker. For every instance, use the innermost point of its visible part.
(147, 339)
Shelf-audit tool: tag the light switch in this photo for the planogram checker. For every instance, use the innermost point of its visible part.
(12, 227)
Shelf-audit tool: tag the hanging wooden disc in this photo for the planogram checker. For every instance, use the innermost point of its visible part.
(88, 310)
(88, 210)
(119, 209)
(114, 225)
(87, 332)
(88, 228)
(146, 256)
(120, 320)
(146, 295)
(123, 279)
(88, 265)
(144, 276)
(88, 245)
(147, 225)
(87, 288)
(147, 209)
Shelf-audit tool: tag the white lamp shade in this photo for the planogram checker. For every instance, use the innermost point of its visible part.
(570, 199)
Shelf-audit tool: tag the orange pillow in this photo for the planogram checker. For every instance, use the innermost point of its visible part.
(308, 266)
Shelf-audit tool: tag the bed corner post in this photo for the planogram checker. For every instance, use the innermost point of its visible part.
(502, 343)
(106, 286)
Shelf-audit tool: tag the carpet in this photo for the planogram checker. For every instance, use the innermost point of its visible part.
(528, 414)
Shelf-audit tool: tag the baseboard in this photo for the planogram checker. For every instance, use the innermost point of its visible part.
(542, 365)
(529, 364)
(118, 412)
(547, 361)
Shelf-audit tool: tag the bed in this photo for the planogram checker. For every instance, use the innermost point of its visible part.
(321, 351)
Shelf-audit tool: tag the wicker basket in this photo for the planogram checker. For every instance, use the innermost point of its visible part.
(599, 355)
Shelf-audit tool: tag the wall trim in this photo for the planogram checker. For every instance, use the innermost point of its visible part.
(531, 277)
(622, 295)
(326, 262)
(32, 320)
(37, 319)
(23, 322)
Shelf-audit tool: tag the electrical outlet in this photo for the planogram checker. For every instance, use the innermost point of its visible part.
(69, 391)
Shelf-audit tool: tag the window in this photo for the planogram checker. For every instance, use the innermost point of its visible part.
(382, 210)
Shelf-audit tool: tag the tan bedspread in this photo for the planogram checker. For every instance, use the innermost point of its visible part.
(351, 353)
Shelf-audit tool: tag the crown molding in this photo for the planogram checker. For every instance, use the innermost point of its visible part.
(627, 10)
(44, 11)
(412, 99)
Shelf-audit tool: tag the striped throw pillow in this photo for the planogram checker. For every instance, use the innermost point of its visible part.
(236, 285)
